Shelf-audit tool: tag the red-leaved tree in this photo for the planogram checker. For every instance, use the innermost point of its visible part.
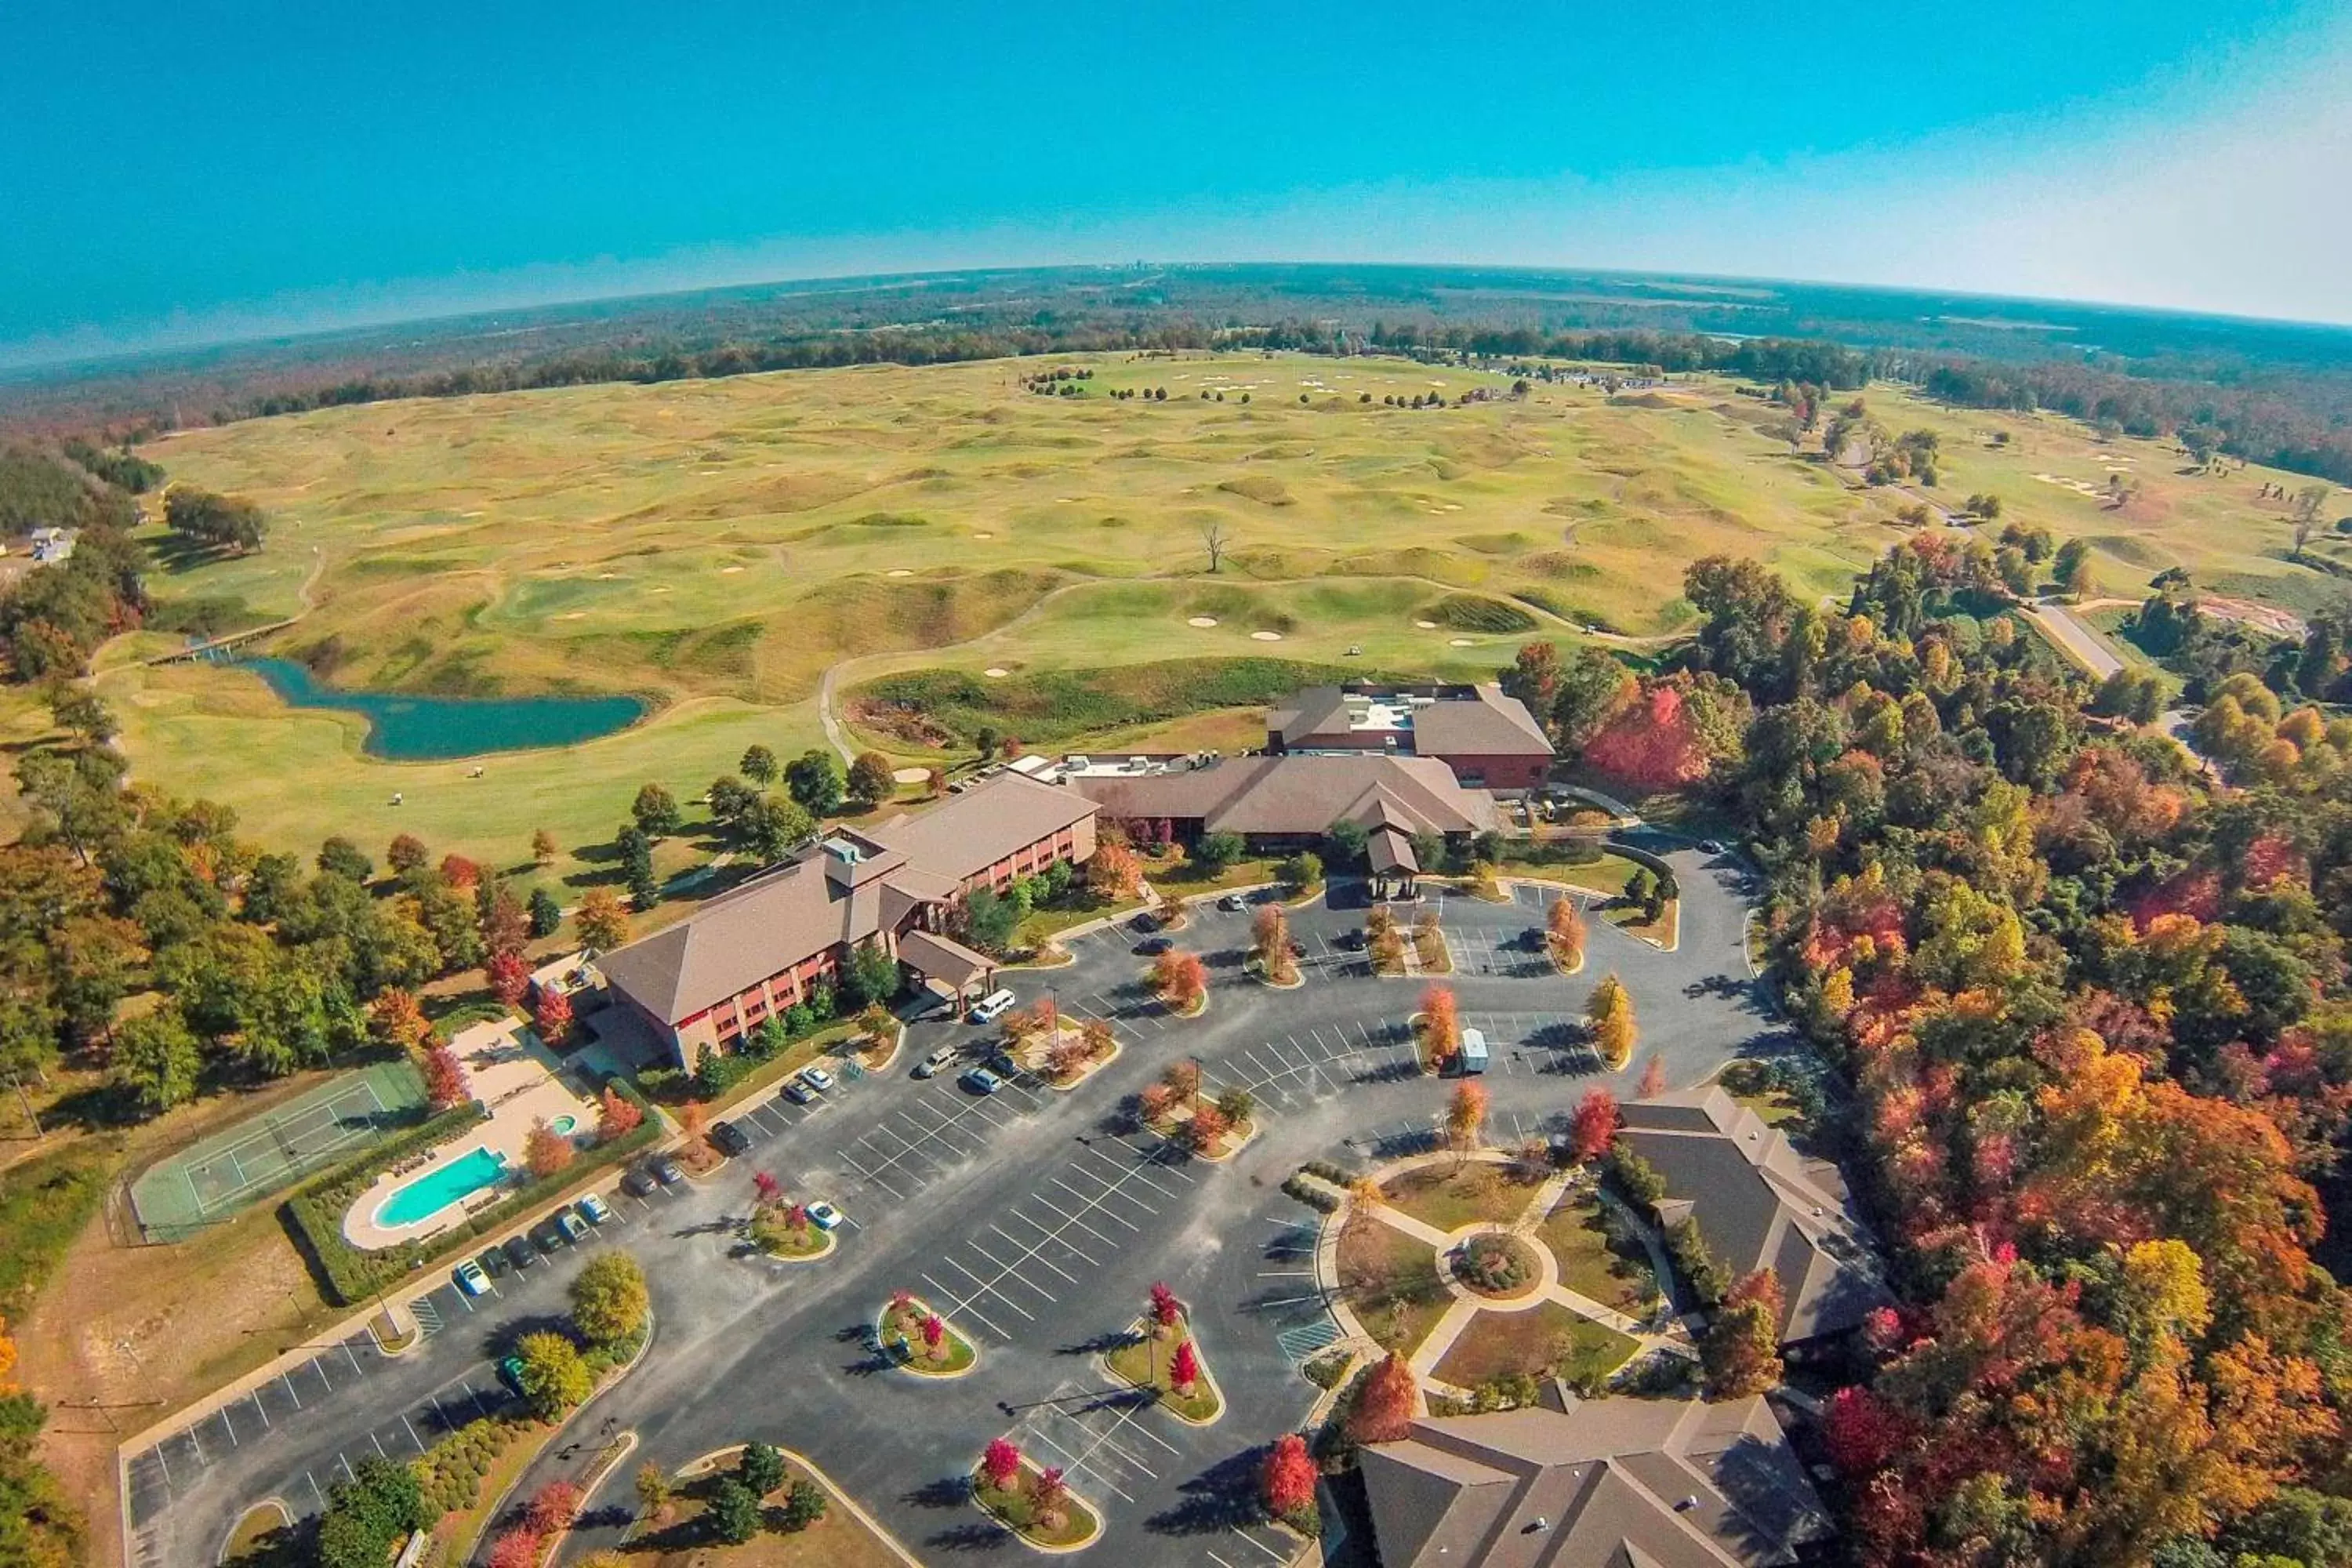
(1288, 1482)
(1184, 1369)
(552, 1018)
(517, 1548)
(999, 1462)
(1164, 1308)
(444, 1077)
(508, 976)
(616, 1115)
(1592, 1126)
(1384, 1411)
(1651, 745)
(553, 1507)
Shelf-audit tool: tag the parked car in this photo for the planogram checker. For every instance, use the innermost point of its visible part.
(638, 1182)
(1232, 902)
(1711, 846)
(666, 1170)
(520, 1252)
(817, 1079)
(494, 1263)
(573, 1227)
(1153, 946)
(1298, 948)
(1353, 940)
(931, 1064)
(594, 1210)
(510, 1373)
(798, 1093)
(979, 1080)
(728, 1139)
(470, 1278)
(1144, 924)
(547, 1236)
(992, 1007)
(824, 1217)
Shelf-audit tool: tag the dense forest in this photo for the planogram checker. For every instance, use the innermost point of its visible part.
(2088, 1039)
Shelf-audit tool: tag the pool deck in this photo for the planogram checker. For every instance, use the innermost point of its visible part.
(520, 1082)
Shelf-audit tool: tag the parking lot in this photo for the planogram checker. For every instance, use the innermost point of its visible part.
(1034, 1218)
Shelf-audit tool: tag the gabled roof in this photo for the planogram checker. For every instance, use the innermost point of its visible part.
(1389, 851)
(1596, 1484)
(1303, 795)
(970, 832)
(1485, 724)
(1316, 710)
(1759, 1203)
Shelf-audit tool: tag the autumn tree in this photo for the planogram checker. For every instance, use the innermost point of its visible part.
(1180, 979)
(609, 1300)
(1609, 1014)
(542, 847)
(1465, 1114)
(1270, 934)
(1207, 1128)
(553, 1376)
(445, 1078)
(553, 1507)
(616, 1115)
(603, 923)
(999, 1463)
(1654, 1078)
(1564, 934)
(551, 1019)
(1740, 1353)
(1286, 1483)
(1441, 1026)
(1384, 1405)
(508, 976)
(1592, 1126)
(871, 779)
(1113, 873)
(1185, 1368)
(397, 1020)
(545, 1150)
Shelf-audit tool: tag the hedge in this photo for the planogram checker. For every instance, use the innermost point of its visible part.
(349, 1275)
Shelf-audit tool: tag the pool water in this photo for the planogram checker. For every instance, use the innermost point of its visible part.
(435, 1190)
(564, 1124)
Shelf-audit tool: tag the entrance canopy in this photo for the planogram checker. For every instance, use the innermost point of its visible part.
(944, 962)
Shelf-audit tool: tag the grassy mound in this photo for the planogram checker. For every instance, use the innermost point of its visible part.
(1476, 613)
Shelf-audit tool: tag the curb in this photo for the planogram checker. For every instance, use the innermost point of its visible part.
(1208, 1375)
(903, 1362)
(620, 1375)
(1100, 1529)
(284, 1517)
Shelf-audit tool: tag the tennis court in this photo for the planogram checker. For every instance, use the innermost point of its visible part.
(215, 1177)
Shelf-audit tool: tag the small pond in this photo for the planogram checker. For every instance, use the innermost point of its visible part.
(405, 728)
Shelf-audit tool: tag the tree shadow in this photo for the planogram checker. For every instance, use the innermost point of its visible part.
(1102, 1343)
(1220, 1499)
(946, 1491)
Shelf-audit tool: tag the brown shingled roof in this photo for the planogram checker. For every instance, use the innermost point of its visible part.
(970, 832)
(1485, 724)
(1303, 795)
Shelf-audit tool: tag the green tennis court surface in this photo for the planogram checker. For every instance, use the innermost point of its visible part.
(215, 1177)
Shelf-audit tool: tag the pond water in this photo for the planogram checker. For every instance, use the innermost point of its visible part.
(407, 728)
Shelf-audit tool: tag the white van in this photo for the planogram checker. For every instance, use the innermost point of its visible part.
(990, 1007)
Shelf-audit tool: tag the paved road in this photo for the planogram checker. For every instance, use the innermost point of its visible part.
(1036, 1220)
(2076, 637)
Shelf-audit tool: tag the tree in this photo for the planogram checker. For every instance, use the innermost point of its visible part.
(1564, 933)
(1180, 979)
(871, 779)
(545, 1150)
(339, 857)
(367, 1515)
(758, 764)
(551, 1019)
(813, 779)
(636, 852)
(734, 1511)
(1212, 852)
(1383, 1408)
(935, 1336)
(1113, 873)
(609, 1302)
(510, 978)
(397, 1020)
(1213, 538)
(935, 785)
(999, 1463)
(1533, 678)
(729, 801)
(1740, 1353)
(444, 1077)
(654, 1490)
(1465, 1114)
(991, 921)
(406, 855)
(542, 847)
(553, 1377)
(505, 927)
(1162, 1308)
(1654, 1078)
(603, 923)
(775, 825)
(1206, 1130)
(1184, 1367)
(1050, 1496)
(1592, 1126)
(545, 915)
(805, 1506)
(873, 974)
(761, 1469)
(1300, 871)
(155, 1061)
(214, 522)
(520, 1547)
(2073, 568)
(1609, 1014)
(617, 1116)
(656, 812)
(1440, 1025)
(1270, 940)
(553, 1507)
(1288, 1480)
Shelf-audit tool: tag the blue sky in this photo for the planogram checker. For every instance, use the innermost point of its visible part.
(179, 172)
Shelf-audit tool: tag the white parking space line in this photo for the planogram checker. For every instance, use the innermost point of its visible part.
(412, 1434)
(319, 1365)
(191, 1435)
(288, 1379)
(962, 1306)
(1007, 1271)
(1041, 1258)
(1057, 1236)
(988, 1288)
(258, 1409)
(1087, 1205)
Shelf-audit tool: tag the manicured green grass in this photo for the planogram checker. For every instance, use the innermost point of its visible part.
(1589, 1265)
(1146, 1362)
(1544, 1341)
(1016, 1506)
(1390, 1283)
(1450, 1196)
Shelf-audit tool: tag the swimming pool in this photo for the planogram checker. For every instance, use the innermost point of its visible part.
(566, 1125)
(435, 1190)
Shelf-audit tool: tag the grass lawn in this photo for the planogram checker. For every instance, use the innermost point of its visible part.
(774, 1235)
(45, 1202)
(1392, 1283)
(902, 1336)
(1146, 1362)
(1589, 1265)
(1547, 1340)
(1183, 880)
(1607, 875)
(1450, 1195)
(1628, 918)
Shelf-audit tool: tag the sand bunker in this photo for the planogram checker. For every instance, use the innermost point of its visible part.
(995, 672)
(1426, 625)
(1266, 636)
(983, 536)
(1202, 621)
(1458, 642)
(574, 615)
(729, 570)
(911, 776)
(607, 576)
(899, 572)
